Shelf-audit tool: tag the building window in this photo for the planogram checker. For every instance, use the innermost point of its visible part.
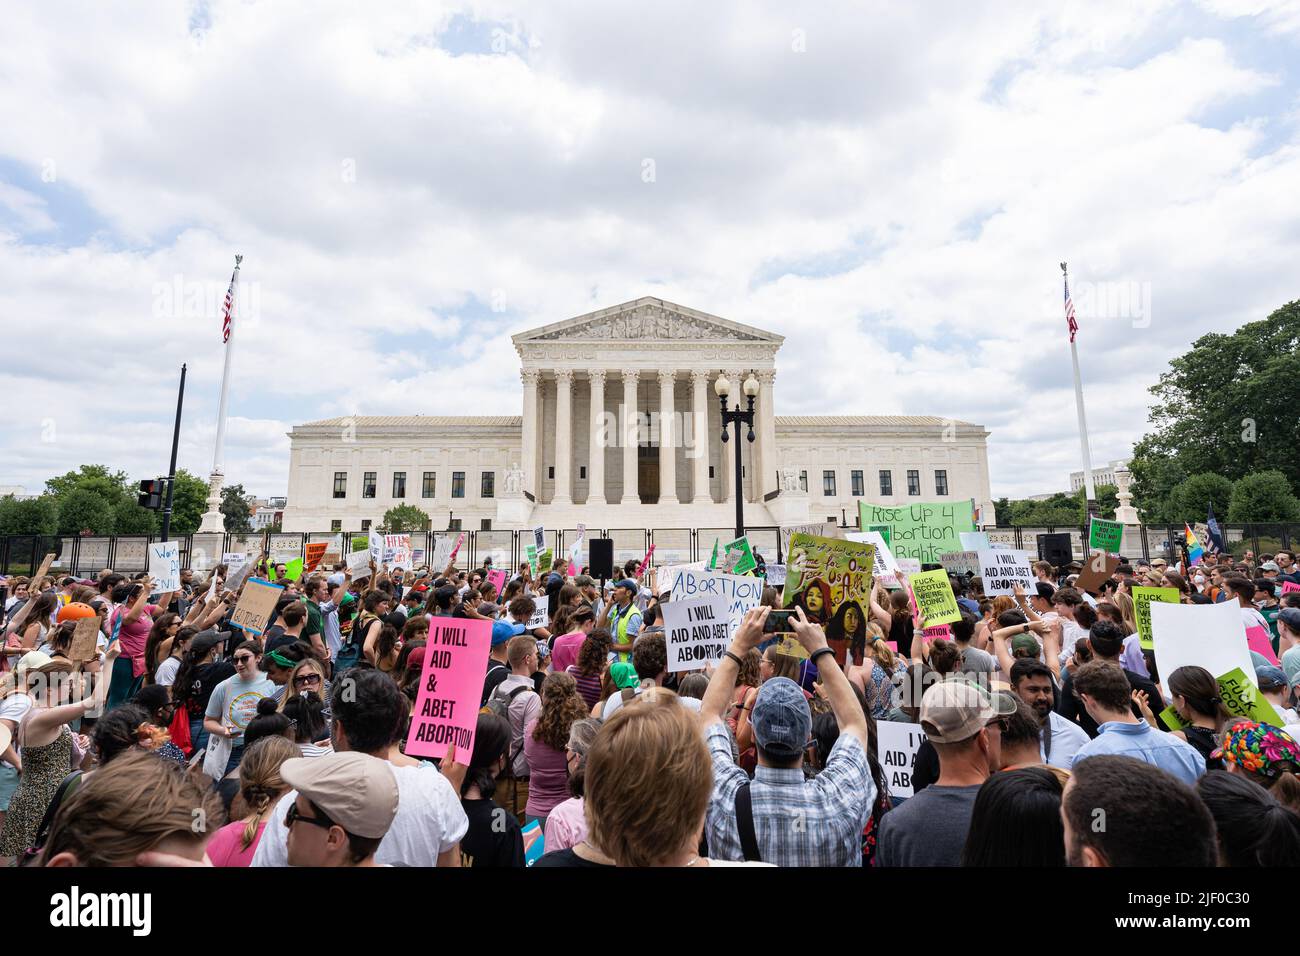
(828, 484)
(336, 524)
(550, 472)
(429, 485)
(485, 524)
(710, 471)
(856, 478)
(488, 484)
(399, 484)
(941, 482)
(886, 482)
(803, 480)
(458, 484)
(340, 484)
(913, 482)
(368, 484)
(582, 472)
(365, 524)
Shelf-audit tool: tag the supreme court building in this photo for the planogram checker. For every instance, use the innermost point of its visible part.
(621, 429)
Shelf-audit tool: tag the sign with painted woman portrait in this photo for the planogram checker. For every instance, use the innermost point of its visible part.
(831, 580)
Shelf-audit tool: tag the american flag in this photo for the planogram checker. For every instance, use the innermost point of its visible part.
(1069, 312)
(229, 307)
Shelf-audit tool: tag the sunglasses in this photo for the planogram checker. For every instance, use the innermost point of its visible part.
(305, 679)
(243, 658)
(294, 815)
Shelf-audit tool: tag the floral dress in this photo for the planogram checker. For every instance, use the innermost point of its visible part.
(43, 770)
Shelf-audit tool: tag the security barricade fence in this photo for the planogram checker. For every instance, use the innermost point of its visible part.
(84, 556)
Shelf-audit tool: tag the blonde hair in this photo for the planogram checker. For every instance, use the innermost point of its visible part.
(1125, 605)
(259, 781)
(878, 649)
(647, 757)
(130, 806)
(307, 663)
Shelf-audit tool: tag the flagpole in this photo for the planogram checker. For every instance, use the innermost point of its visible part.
(1089, 491)
(214, 521)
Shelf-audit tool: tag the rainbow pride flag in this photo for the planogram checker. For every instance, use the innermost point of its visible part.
(1194, 550)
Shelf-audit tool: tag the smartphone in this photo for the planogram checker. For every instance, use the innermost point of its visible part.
(778, 622)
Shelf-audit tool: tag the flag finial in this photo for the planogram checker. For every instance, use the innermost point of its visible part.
(238, 260)
(1064, 270)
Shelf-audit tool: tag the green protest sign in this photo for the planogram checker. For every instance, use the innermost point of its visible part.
(1172, 720)
(1105, 535)
(738, 557)
(934, 597)
(1242, 698)
(922, 531)
(293, 570)
(884, 531)
(530, 552)
(1142, 598)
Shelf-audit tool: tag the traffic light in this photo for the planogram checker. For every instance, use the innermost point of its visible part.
(151, 492)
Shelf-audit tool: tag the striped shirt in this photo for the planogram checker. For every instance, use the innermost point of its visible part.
(588, 686)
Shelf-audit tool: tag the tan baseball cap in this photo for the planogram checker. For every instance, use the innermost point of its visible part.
(955, 710)
(355, 790)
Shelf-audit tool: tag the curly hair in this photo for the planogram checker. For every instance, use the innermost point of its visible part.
(561, 706)
(594, 652)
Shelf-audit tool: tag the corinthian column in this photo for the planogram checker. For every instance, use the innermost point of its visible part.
(563, 436)
(596, 444)
(700, 493)
(631, 483)
(667, 440)
(528, 450)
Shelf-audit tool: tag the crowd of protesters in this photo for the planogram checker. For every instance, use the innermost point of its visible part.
(1042, 712)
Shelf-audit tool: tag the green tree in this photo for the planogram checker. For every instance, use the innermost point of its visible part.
(84, 510)
(403, 518)
(1261, 497)
(130, 518)
(234, 505)
(1191, 499)
(189, 501)
(29, 516)
(1002, 510)
(109, 485)
(1228, 406)
(1107, 502)
(1154, 478)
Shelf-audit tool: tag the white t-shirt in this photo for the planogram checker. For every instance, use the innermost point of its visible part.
(15, 707)
(615, 701)
(165, 675)
(429, 821)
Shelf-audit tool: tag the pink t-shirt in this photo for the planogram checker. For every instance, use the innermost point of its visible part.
(566, 825)
(564, 652)
(135, 635)
(548, 782)
(224, 849)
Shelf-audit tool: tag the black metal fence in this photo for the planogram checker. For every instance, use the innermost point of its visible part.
(22, 554)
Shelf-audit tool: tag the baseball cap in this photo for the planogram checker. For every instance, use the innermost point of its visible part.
(781, 718)
(502, 631)
(415, 660)
(1270, 677)
(1269, 566)
(955, 710)
(355, 790)
(627, 583)
(1158, 562)
(1290, 616)
(335, 579)
(1024, 642)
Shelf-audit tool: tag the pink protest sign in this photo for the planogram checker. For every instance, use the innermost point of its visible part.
(456, 550)
(1289, 586)
(892, 645)
(497, 579)
(940, 632)
(645, 562)
(1257, 640)
(451, 685)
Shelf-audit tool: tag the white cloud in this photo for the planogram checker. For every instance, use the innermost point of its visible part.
(893, 197)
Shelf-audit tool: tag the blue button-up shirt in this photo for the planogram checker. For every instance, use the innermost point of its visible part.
(1143, 742)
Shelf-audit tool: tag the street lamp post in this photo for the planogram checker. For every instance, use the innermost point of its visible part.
(736, 417)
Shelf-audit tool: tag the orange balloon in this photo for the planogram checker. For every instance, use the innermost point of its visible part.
(75, 611)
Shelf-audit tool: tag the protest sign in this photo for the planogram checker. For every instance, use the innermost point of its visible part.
(938, 632)
(1096, 572)
(1171, 719)
(776, 575)
(961, 562)
(831, 580)
(741, 593)
(1289, 586)
(238, 575)
(540, 618)
(1205, 635)
(974, 540)
(886, 567)
(1258, 640)
(315, 552)
(165, 565)
(530, 553)
(44, 569)
(460, 539)
(1242, 698)
(545, 559)
(375, 541)
(934, 597)
(85, 639)
(293, 570)
(539, 538)
(908, 567)
(451, 685)
(696, 631)
(234, 560)
(897, 744)
(534, 842)
(359, 561)
(1003, 569)
(253, 613)
(1142, 598)
(397, 550)
(822, 529)
(575, 549)
(738, 557)
(497, 578)
(1105, 535)
(923, 530)
(644, 566)
(881, 529)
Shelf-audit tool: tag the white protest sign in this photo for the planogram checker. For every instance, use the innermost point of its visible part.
(442, 548)
(961, 562)
(397, 550)
(1003, 569)
(165, 565)
(823, 529)
(696, 632)
(541, 617)
(885, 569)
(359, 561)
(539, 537)
(237, 576)
(234, 560)
(740, 591)
(776, 575)
(376, 541)
(1212, 636)
(897, 745)
(909, 565)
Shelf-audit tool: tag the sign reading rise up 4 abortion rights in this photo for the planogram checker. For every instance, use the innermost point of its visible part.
(451, 685)
(922, 531)
(696, 632)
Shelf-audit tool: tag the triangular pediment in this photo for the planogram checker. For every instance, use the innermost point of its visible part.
(647, 320)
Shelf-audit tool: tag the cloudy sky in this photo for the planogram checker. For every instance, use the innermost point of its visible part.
(890, 186)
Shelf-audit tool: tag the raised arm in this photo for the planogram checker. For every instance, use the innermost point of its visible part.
(723, 682)
(844, 704)
(141, 601)
(43, 721)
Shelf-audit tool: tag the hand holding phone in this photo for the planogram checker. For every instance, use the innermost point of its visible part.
(778, 622)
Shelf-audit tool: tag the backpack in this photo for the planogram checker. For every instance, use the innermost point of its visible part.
(499, 705)
(351, 651)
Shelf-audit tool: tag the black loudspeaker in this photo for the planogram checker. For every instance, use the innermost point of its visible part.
(1055, 549)
(601, 554)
